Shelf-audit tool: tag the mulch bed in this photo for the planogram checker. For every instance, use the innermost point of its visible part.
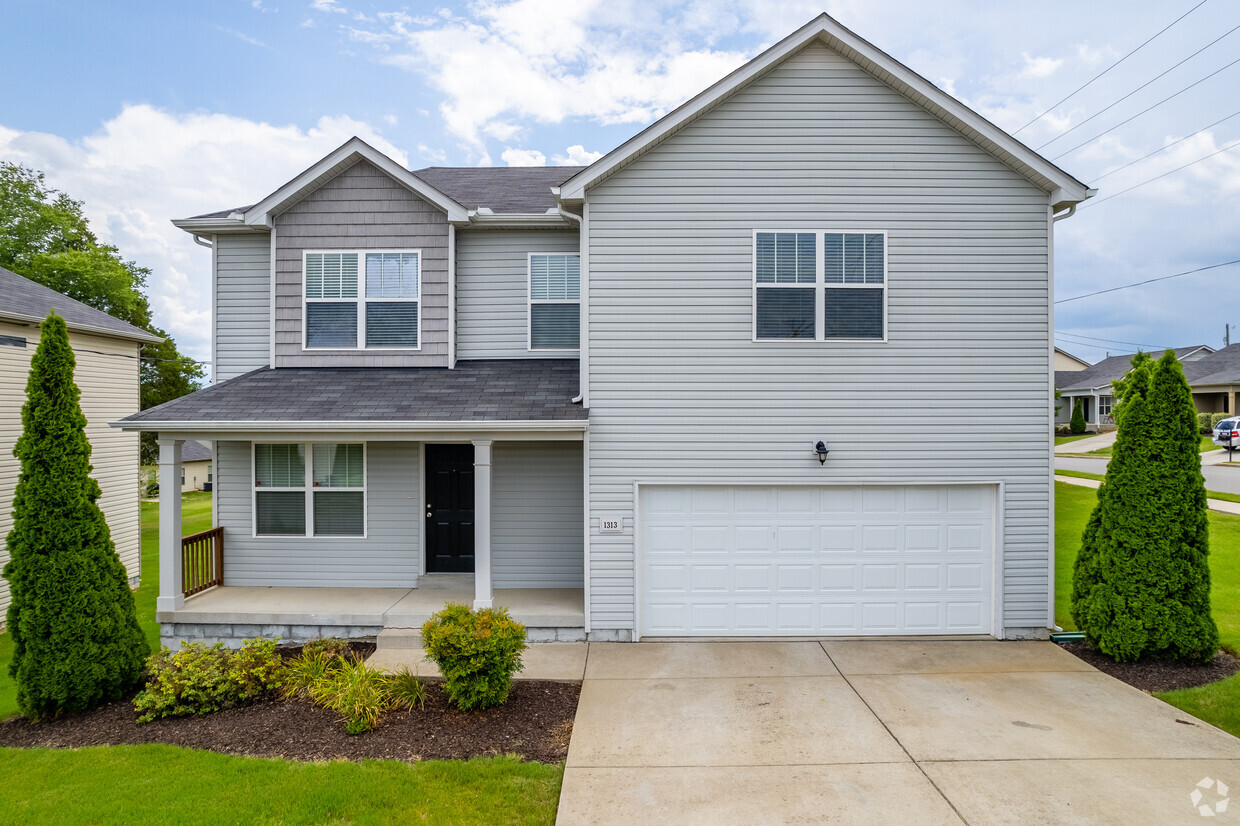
(1156, 675)
(535, 723)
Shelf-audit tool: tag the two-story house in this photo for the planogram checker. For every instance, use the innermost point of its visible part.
(725, 381)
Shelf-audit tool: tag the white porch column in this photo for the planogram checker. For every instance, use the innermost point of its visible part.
(170, 597)
(482, 524)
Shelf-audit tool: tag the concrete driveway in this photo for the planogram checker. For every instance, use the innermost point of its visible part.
(975, 731)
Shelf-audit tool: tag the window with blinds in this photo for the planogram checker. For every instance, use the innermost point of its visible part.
(363, 299)
(325, 496)
(820, 285)
(555, 301)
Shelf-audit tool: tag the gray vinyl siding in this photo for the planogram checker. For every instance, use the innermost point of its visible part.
(362, 208)
(242, 304)
(389, 556)
(678, 390)
(536, 515)
(492, 290)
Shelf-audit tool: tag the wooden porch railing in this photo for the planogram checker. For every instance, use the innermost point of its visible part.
(202, 561)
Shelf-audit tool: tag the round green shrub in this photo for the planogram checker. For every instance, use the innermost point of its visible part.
(477, 653)
(200, 679)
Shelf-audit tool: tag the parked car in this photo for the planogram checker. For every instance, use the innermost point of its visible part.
(1227, 433)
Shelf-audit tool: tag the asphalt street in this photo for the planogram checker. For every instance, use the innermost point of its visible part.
(1223, 479)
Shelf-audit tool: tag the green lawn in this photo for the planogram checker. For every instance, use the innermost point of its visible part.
(1218, 704)
(1205, 445)
(167, 784)
(1063, 440)
(1212, 494)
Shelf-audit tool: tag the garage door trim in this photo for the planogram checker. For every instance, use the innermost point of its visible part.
(997, 554)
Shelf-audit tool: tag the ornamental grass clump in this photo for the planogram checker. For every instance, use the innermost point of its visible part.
(1141, 582)
(476, 651)
(76, 638)
(358, 693)
(200, 679)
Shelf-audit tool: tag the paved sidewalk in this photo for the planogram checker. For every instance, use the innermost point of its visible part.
(877, 731)
(1092, 443)
(1220, 505)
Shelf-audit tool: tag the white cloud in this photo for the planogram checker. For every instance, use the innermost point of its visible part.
(523, 157)
(328, 6)
(576, 156)
(309, 23)
(242, 36)
(257, 5)
(433, 155)
(146, 166)
(1039, 66)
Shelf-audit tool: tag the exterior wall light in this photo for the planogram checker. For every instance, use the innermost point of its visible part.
(820, 450)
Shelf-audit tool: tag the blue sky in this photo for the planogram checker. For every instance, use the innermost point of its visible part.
(154, 110)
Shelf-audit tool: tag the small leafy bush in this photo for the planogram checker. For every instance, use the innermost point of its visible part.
(200, 679)
(406, 690)
(331, 646)
(302, 673)
(1203, 423)
(358, 693)
(477, 652)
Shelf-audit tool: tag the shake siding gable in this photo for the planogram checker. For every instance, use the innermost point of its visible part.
(492, 290)
(361, 208)
(678, 389)
(242, 304)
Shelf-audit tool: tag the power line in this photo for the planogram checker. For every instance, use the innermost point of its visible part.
(1143, 111)
(1138, 89)
(1109, 68)
(1107, 341)
(1164, 148)
(1232, 145)
(1148, 281)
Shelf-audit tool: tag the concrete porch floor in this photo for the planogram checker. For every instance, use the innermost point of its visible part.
(386, 607)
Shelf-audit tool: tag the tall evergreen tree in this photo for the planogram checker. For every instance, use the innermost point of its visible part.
(1076, 424)
(75, 632)
(1141, 584)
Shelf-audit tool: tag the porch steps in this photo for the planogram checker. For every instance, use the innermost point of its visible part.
(401, 639)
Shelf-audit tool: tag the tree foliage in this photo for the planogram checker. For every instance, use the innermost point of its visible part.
(72, 620)
(1077, 423)
(45, 237)
(1141, 583)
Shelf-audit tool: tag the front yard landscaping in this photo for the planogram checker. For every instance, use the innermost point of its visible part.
(1217, 703)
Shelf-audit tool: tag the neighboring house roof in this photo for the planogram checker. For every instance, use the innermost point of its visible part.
(475, 391)
(1111, 369)
(193, 451)
(510, 189)
(1068, 355)
(1063, 188)
(1221, 367)
(24, 300)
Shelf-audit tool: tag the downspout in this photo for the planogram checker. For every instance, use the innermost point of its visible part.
(1062, 215)
(198, 239)
(575, 219)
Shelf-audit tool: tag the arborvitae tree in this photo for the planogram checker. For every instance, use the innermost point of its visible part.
(1077, 423)
(1141, 584)
(75, 632)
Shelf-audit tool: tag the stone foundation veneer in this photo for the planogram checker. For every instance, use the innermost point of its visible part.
(172, 634)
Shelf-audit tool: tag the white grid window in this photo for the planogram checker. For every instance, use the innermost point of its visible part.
(555, 301)
(363, 300)
(325, 496)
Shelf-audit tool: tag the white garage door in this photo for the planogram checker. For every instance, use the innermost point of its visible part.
(755, 561)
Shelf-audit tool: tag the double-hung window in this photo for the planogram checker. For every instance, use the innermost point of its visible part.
(363, 300)
(314, 489)
(555, 301)
(820, 285)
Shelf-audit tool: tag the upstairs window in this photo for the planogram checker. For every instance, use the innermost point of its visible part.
(820, 285)
(555, 301)
(362, 300)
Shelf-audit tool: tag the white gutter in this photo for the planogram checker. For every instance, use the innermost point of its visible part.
(516, 426)
(483, 217)
(198, 239)
(581, 255)
(141, 335)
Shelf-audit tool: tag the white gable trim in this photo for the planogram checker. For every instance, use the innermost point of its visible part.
(354, 149)
(1062, 187)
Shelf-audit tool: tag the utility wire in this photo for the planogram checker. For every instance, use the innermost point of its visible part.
(1164, 148)
(1138, 89)
(1069, 336)
(1109, 68)
(1143, 111)
(1232, 145)
(1147, 281)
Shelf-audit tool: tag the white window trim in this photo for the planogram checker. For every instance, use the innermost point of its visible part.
(819, 286)
(530, 302)
(360, 302)
(308, 490)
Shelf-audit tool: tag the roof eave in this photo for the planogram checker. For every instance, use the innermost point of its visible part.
(136, 335)
(216, 226)
(516, 220)
(358, 427)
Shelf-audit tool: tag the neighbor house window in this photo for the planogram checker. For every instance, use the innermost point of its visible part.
(820, 285)
(555, 301)
(362, 300)
(1104, 405)
(314, 489)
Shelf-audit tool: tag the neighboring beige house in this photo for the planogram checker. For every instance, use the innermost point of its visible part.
(1093, 385)
(195, 467)
(1066, 362)
(106, 350)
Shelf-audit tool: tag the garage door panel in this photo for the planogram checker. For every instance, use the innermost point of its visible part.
(740, 560)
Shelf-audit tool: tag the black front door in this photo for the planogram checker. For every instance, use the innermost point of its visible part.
(449, 508)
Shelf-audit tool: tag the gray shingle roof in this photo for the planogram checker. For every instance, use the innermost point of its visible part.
(501, 188)
(1222, 367)
(26, 300)
(193, 451)
(221, 213)
(1111, 369)
(476, 391)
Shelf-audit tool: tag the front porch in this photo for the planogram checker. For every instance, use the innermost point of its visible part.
(232, 613)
